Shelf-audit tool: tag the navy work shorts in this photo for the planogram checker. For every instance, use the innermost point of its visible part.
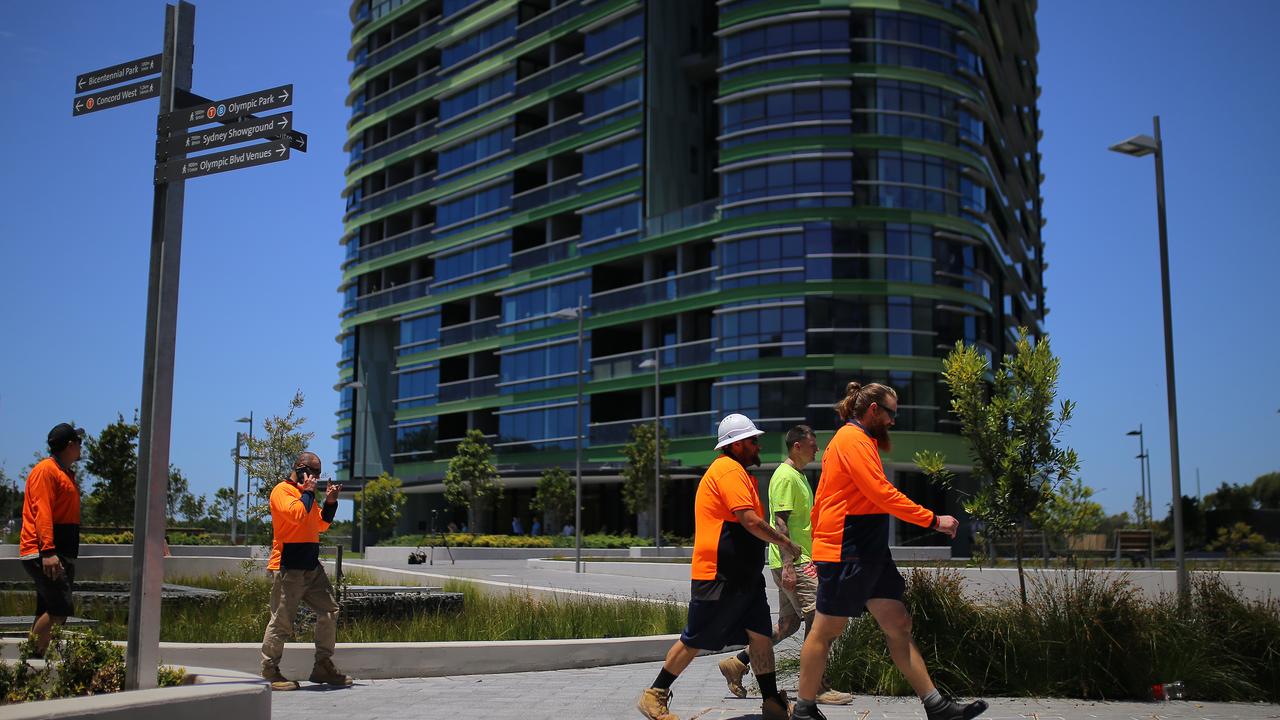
(721, 613)
(52, 596)
(845, 587)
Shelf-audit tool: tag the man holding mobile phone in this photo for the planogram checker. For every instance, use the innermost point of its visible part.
(297, 574)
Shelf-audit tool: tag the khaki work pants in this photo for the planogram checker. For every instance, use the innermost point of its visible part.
(288, 588)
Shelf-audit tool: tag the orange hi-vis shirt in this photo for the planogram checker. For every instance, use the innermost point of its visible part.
(50, 513)
(295, 531)
(849, 509)
(722, 548)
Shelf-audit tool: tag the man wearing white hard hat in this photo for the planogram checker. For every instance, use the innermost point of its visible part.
(728, 605)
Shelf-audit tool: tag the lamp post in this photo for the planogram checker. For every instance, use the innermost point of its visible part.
(569, 314)
(248, 477)
(656, 364)
(235, 494)
(1139, 146)
(356, 386)
(1142, 453)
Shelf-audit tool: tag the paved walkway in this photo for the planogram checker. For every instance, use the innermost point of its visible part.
(610, 692)
(700, 694)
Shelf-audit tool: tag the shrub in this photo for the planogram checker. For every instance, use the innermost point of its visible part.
(126, 538)
(76, 664)
(597, 540)
(1238, 540)
(1084, 635)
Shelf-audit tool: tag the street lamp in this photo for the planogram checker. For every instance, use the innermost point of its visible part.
(568, 314)
(356, 385)
(235, 495)
(1142, 473)
(1140, 146)
(656, 363)
(248, 476)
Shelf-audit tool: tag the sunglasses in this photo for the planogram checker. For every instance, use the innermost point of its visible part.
(303, 470)
(893, 414)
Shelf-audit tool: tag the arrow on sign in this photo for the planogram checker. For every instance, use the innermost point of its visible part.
(284, 94)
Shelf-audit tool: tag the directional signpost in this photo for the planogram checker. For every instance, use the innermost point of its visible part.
(202, 165)
(272, 126)
(131, 70)
(106, 99)
(229, 109)
(180, 110)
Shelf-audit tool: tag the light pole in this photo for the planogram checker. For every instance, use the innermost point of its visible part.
(248, 477)
(656, 364)
(235, 495)
(1142, 453)
(1138, 146)
(356, 386)
(568, 314)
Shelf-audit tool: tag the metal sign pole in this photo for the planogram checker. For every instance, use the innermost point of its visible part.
(142, 652)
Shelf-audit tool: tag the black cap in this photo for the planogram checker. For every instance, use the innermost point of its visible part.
(62, 434)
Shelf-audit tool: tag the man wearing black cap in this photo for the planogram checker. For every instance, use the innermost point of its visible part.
(50, 539)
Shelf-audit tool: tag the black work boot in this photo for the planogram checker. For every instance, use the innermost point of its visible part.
(953, 710)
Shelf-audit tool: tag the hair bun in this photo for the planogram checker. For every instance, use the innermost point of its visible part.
(852, 388)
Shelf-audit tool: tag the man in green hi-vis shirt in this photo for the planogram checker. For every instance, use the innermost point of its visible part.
(790, 504)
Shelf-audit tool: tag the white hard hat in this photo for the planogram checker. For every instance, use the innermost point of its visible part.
(736, 427)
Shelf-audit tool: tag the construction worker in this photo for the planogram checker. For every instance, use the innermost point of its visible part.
(50, 538)
(728, 604)
(790, 502)
(856, 572)
(298, 575)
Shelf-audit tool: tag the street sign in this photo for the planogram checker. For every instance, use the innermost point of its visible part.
(272, 126)
(131, 70)
(229, 109)
(199, 166)
(188, 99)
(123, 95)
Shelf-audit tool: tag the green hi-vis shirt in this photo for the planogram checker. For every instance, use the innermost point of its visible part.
(789, 490)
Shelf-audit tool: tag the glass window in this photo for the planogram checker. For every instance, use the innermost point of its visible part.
(452, 212)
(476, 95)
(613, 34)
(539, 302)
(615, 220)
(473, 261)
(611, 157)
(478, 41)
(475, 150)
(615, 94)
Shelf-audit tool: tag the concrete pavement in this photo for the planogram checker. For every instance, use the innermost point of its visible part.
(700, 694)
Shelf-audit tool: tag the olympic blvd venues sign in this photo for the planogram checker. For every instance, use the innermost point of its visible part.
(201, 165)
(271, 126)
(228, 109)
(116, 74)
(115, 97)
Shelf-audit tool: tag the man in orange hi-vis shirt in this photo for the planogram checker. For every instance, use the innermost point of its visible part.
(50, 538)
(297, 575)
(856, 573)
(727, 603)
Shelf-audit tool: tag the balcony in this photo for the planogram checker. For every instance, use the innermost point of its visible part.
(398, 142)
(688, 216)
(654, 291)
(389, 245)
(612, 367)
(550, 75)
(394, 95)
(547, 134)
(618, 432)
(469, 332)
(548, 20)
(447, 447)
(467, 389)
(404, 42)
(542, 254)
(393, 295)
(393, 194)
(546, 194)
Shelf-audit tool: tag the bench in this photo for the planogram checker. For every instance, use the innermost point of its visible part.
(1135, 545)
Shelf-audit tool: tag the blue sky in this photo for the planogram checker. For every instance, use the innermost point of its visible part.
(258, 309)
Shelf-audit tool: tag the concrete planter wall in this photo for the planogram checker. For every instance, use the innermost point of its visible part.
(119, 567)
(99, 550)
(400, 555)
(215, 695)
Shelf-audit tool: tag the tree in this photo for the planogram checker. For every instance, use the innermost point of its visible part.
(271, 457)
(382, 501)
(225, 500)
(1012, 429)
(1266, 490)
(1070, 512)
(179, 491)
(194, 508)
(113, 460)
(10, 497)
(1239, 539)
(471, 480)
(1235, 499)
(554, 497)
(637, 474)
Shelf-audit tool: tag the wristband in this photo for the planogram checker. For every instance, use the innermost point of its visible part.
(933, 524)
